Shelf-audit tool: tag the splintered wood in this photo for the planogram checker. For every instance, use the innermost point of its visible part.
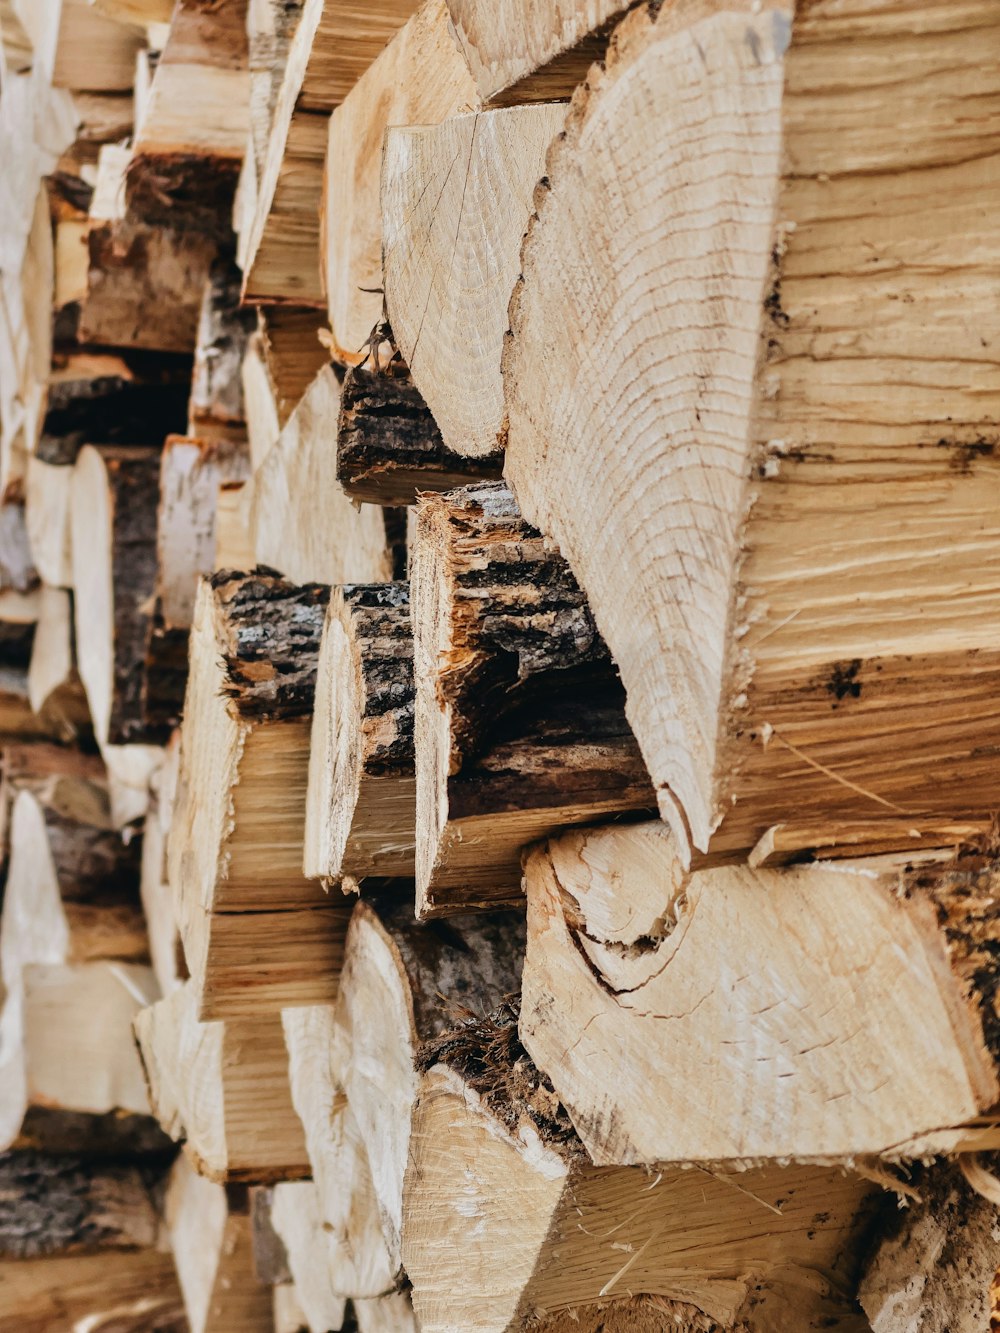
(499, 660)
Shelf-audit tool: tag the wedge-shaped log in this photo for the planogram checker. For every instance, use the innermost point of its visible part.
(419, 79)
(145, 280)
(531, 50)
(389, 447)
(222, 1088)
(520, 720)
(933, 1264)
(451, 253)
(211, 1238)
(358, 1262)
(302, 521)
(260, 397)
(334, 44)
(189, 145)
(79, 1244)
(292, 341)
(495, 1170)
(235, 847)
(113, 523)
(788, 467)
(847, 1004)
(298, 1220)
(403, 984)
(361, 798)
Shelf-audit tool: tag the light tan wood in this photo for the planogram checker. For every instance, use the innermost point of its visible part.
(211, 1239)
(294, 342)
(136, 11)
(94, 53)
(531, 50)
(166, 950)
(456, 199)
(302, 522)
(138, 1290)
(782, 465)
(389, 1314)
(402, 985)
(419, 79)
(55, 690)
(691, 1238)
(260, 398)
(297, 1219)
(843, 1003)
(361, 795)
(233, 548)
(223, 1089)
(47, 514)
(359, 1263)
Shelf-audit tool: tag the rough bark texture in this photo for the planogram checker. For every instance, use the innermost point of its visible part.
(272, 634)
(111, 409)
(60, 1205)
(377, 616)
(111, 1136)
(389, 447)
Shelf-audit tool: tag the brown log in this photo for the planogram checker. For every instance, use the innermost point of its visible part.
(294, 351)
(389, 447)
(520, 722)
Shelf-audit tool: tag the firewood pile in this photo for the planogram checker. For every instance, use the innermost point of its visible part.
(500, 666)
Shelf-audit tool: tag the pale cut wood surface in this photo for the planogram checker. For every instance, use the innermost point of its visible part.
(755, 419)
(223, 1089)
(692, 1237)
(52, 1295)
(55, 690)
(47, 514)
(296, 1217)
(813, 1012)
(531, 50)
(456, 198)
(419, 79)
(302, 522)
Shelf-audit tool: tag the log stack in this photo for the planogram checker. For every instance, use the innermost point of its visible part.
(498, 666)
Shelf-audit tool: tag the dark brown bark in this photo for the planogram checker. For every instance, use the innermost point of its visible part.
(56, 1205)
(389, 446)
(185, 191)
(376, 619)
(293, 351)
(166, 675)
(109, 409)
(269, 635)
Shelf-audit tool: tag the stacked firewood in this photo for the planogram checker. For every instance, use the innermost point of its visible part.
(499, 556)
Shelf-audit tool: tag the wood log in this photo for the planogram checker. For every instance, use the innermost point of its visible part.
(47, 514)
(211, 1238)
(287, 1311)
(389, 447)
(136, 11)
(55, 690)
(297, 1219)
(235, 850)
(636, 967)
(334, 44)
(139, 1292)
(187, 152)
(933, 1264)
(807, 668)
(292, 339)
(419, 79)
(302, 522)
(166, 950)
(771, 1248)
(358, 1261)
(271, 26)
(416, 978)
(216, 409)
(93, 53)
(113, 530)
(361, 795)
(137, 268)
(260, 398)
(519, 713)
(222, 1089)
(534, 51)
(451, 256)
(386, 1314)
(233, 547)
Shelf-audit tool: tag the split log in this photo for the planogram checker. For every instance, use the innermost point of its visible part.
(731, 462)
(136, 11)
(287, 1311)
(145, 281)
(47, 514)
(387, 1314)
(260, 399)
(93, 52)
(113, 524)
(933, 1264)
(416, 978)
(519, 713)
(211, 1238)
(233, 547)
(531, 51)
(761, 1251)
(79, 1246)
(222, 1088)
(334, 44)
(302, 522)
(55, 690)
(293, 344)
(187, 151)
(854, 1000)
(419, 79)
(271, 26)
(358, 1262)
(452, 253)
(361, 796)
(389, 447)
(235, 851)
(296, 1217)
(216, 409)
(166, 950)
